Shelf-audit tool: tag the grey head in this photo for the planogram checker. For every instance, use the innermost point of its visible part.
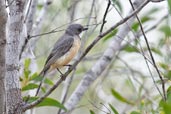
(75, 29)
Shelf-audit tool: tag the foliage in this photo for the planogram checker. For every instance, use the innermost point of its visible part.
(28, 83)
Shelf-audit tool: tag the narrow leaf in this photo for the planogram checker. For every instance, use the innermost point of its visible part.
(166, 30)
(169, 4)
(34, 76)
(113, 109)
(48, 81)
(120, 98)
(157, 51)
(152, 11)
(135, 112)
(92, 112)
(29, 87)
(143, 20)
(47, 102)
(26, 73)
(118, 4)
(27, 63)
(129, 48)
(111, 34)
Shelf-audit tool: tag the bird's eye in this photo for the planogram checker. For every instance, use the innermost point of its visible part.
(80, 30)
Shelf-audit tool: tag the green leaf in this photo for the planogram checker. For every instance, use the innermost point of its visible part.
(129, 48)
(34, 77)
(166, 30)
(27, 63)
(157, 51)
(111, 34)
(30, 86)
(43, 89)
(39, 6)
(118, 4)
(152, 11)
(48, 81)
(92, 112)
(26, 68)
(163, 65)
(113, 109)
(144, 19)
(120, 98)
(47, 102)
(168, 75)
(166, 107)
(26, 73)
(135, 112)
(169, 4)
(169, 91)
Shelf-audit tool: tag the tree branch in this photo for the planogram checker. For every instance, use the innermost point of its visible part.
(15, 35)
(104, 17)
(3, 21)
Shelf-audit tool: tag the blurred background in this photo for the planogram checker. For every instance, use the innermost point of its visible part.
(127, 85)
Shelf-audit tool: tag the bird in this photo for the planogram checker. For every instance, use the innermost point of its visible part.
(64, 50)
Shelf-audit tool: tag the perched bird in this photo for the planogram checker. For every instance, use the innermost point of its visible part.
(63, 51)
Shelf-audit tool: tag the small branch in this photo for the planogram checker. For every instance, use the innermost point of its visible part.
(31, 105)
(151, 55)
(28, 10)
(56, 29)
(104, 17)
(85, 35)
(157, 0)
(46, 33)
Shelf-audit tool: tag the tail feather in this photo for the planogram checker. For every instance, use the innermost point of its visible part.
(42, 73)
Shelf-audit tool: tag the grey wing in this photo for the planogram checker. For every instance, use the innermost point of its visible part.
(60, 48)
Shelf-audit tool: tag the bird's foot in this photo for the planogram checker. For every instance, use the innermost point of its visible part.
(60, 71)
(69, 66)
(61, 74)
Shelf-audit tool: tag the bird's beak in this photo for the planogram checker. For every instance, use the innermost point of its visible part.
(85, 28)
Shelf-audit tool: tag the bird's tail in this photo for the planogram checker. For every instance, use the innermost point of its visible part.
(42, 74)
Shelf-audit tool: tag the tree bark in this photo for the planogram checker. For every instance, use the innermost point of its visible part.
(3, 20)
(15, 27)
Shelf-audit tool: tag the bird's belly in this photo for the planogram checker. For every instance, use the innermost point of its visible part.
(65, 59)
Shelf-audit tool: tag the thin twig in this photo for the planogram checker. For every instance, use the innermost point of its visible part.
(31, 105)
(104, 17)
(85, 35)
(150, 52)
(28, 10)
(45, 33)
(157, 0)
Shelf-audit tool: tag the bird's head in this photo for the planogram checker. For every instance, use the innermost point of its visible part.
(75, 29)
